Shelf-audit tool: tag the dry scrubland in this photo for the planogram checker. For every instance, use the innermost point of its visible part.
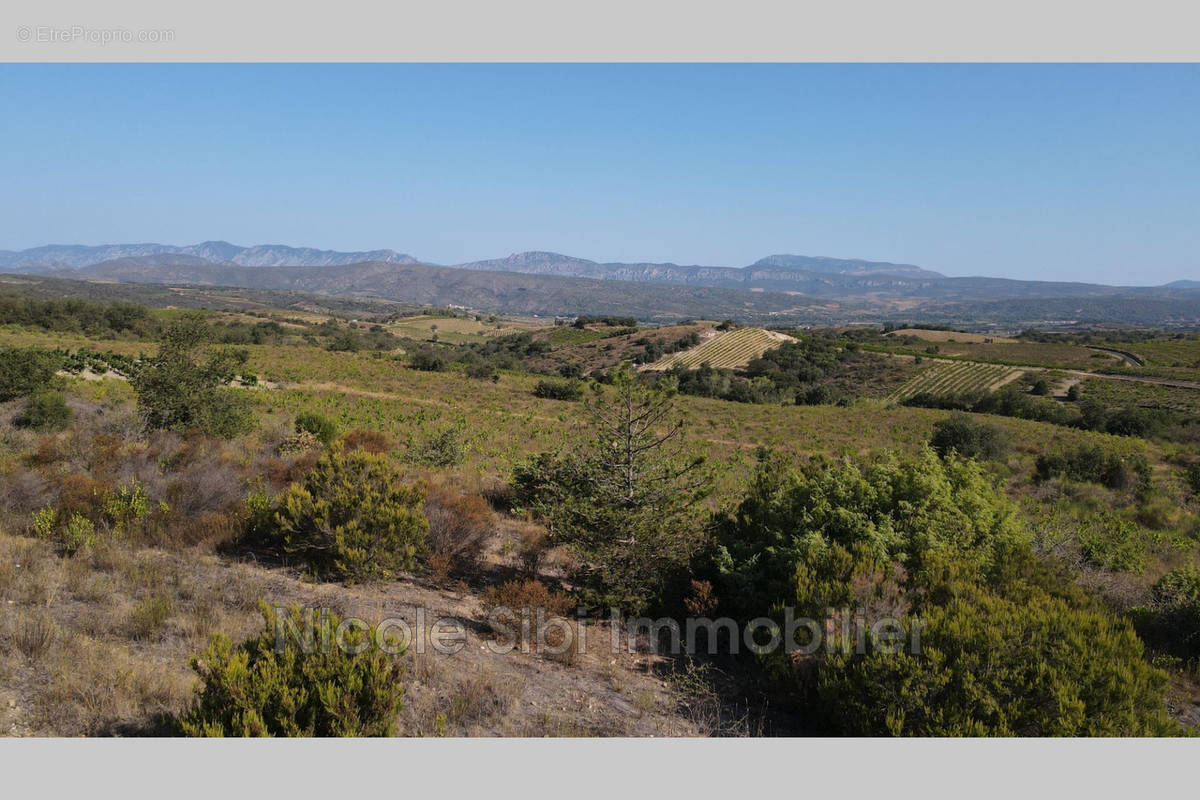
(99, 642)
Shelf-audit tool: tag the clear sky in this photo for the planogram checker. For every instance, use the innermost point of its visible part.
(1073, 172)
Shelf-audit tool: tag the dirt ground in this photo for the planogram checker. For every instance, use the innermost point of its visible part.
(79, 655)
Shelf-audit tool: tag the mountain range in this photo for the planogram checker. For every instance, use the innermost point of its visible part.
(787, 286)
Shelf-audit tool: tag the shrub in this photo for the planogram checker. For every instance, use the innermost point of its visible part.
(821, 396)
(25, 371)
(460, 526)
(372, 441)
(443, 449)
(962, 434)
(44, 411)
(1094, 464)
(996, 666)
(516, 608)
(427, 360)
(71, 531)
(481, 371)
(1113, 543)
(299, 443)
(1041, 387)
(903, 509)
(147, 617)
(350, 518)
(559, 390)
(1172, 623)
(1192, 476)
(255, 689)
(325, 429)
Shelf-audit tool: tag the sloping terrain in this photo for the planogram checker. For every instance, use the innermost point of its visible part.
(725, 350)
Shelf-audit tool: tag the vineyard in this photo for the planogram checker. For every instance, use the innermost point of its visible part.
(730, 350)
(955, 377)
(1166, 353)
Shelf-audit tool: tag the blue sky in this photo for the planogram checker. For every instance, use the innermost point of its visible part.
(1072, 172)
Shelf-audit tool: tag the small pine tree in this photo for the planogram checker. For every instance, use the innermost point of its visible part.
(626, 501)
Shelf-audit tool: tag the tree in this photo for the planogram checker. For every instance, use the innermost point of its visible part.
(351, 518)
(626, 499)
(184, 385)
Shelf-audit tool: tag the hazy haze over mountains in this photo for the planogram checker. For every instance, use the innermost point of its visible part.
(804, 288)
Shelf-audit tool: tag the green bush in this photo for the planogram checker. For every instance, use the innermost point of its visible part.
(1172, 622)
(427, 360)
(896, 509)
(318, 425)
(71, 532)
(1095, 464)
(997, 666)
(962, 434)
(444, 449)
(257, 689)
(349, 519)
(821, 396)
(559, 390)
(25, 371)
(1113, 543)
(45, 410)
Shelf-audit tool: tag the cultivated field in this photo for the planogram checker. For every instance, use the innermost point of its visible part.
(1167, 353)
(454, 329)
(955, 377)
(728, 350)
(949, 336)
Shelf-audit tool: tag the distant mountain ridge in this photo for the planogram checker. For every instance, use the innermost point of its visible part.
(783, 284)
(73, 256)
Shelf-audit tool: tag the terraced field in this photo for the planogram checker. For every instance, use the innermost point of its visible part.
(728, 350)
(953, 377)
